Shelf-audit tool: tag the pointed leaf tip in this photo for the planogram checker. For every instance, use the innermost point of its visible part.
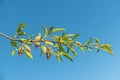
(13, 52)
(58, 29)
(28, 54)
(45, 30)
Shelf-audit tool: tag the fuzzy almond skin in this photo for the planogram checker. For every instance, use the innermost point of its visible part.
(49, 50)
(27, 48)
(38, 38)
(48, 53)
(37, 44)
(44, 49)
(20, 52)
(48, 56)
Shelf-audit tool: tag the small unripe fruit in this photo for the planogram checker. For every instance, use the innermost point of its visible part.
(49, 50)
(27, 48)
(20, 52)
(37, 39)
(44, 49)
(48, 55)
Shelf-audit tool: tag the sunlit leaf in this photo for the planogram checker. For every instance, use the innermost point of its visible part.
(97, 40)
(58, 56)
(78, 43)
(22, 33)
(20, 28)
(49, 43)
(67, 55)
(89, 49)
(89, 41)
(75, 36)
(82, 49)
(58, 29)
(27, 48)
(28, 54)
(70, 35)
(45, 30)
(107, 48)
(74, 52)
(56, 37)
(13, 52)
(50, 30)
(108, 45)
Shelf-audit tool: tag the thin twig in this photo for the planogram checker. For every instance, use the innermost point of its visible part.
(4, 35)
(18, 40)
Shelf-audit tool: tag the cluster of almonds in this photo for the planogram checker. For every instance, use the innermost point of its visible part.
(45, 49)
(22, 49)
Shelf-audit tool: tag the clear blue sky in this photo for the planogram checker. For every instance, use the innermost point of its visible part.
(90, 18)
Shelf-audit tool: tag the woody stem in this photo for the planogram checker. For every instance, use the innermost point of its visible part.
(18, 40)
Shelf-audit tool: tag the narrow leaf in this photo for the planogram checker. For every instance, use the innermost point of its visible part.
(82, 49)
(78, 43)
(70, 35)
(67, 56)
(58, 29)
(20, 28)
(74, 52)
(22, 33)
(50, 30)
(13, 52)
(45, 30)
(57, 56)
(49, 43)
(89, 41)
(97, 40)
(13, 43)
(75, 36)
(106, 48)
(28, 54)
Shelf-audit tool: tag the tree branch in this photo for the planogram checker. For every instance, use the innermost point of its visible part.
(10, 38)
(4, 35)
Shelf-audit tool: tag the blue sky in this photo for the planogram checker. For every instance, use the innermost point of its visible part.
(90, 18)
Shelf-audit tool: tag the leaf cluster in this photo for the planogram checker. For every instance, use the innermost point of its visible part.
(50, 43)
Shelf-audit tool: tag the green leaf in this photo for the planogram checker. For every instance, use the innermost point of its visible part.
(67, 55)
(89, 49)
(58, 29)
(82, 49)
(45, 30)
(57, 56)
(97, 40)
(74, 52)
(49, 43)
(50, 30)
(13, 43)
(78, 43)
(108, 45)
(56, 37)
(26, 41)
(28, 54)
(75, 36)
(22, 33)
(21, 25)
(70, 35)
(20, 28)
(107, 48)
(13, 52)
(89, 41)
